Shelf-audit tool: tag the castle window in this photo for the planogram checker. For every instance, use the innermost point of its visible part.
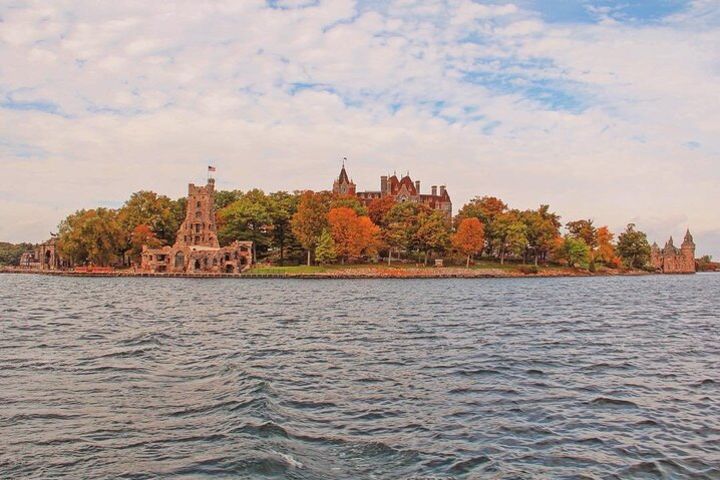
(198, 214)
(197, 204)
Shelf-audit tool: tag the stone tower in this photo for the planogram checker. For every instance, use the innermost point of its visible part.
(198, 228)
(674, 260)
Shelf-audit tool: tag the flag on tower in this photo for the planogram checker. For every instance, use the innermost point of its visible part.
(211, 168)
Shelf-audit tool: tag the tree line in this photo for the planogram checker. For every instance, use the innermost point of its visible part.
(320, 227)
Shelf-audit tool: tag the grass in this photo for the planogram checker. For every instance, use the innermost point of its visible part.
(314, 269)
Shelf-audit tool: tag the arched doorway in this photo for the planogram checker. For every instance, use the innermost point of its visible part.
(180, 260)
(197, 264)
(229, 268)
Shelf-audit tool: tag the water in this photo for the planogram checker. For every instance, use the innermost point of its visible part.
(367, 379)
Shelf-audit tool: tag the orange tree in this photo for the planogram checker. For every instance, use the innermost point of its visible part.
(310, 220)
(469, 238)
(353, 235)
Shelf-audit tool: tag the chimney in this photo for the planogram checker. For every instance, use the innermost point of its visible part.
(434, 190)
(417, 186)
(383, 184)
(442, 190)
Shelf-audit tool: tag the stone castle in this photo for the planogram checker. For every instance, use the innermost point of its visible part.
(672, 259)
(196, 247)
(401, 190)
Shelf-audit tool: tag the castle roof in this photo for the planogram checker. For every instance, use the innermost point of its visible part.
(688, 238)
(343, 176)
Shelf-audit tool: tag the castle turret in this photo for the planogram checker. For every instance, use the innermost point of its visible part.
(343, 185)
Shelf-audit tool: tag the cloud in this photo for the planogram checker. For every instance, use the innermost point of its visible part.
(607, 116)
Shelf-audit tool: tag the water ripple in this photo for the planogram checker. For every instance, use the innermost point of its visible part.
(588, 378)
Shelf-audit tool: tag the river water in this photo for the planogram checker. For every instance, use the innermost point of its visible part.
(360, 379)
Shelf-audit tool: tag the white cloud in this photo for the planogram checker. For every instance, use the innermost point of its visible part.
(614, 121)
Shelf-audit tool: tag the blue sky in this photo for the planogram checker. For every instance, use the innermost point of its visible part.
(603, 109)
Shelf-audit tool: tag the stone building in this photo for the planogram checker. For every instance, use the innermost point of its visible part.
(401, 189)
(672, 259)
(196, 248)
(45, 256)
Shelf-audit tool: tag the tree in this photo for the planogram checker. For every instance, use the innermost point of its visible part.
(379, 208)
(510, 234)
(149, 208)
(223, 198)
(310, 220)
(353, 235)
(486, 209)
(633, 247)
(573, 250)
(349, 201)
(541, 230)
(91, 236)
(247, 218)
(469, 239)
(403, 223)
(282, 206)
(142, 235)
(433, 233)
(325, 250)
(605, 251)
(585, 230)
(10, 253)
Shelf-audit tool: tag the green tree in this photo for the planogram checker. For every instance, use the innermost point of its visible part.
(573, 250)
(541, 230)
(282, 206)
(633, 247)
(325, 251)
(247, 218)
(223, 198)
(510, 234)
(403, 223)
(583, 229)
(433, 234)
(10, 253)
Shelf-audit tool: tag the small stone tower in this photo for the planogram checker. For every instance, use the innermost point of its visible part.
(674, 260)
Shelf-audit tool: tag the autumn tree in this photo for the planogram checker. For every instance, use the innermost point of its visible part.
(633, 247)
(585, 230)
(310, 220)
(349, 201)
(469, 238)
(487, 210)
(379, 208)
(353, 235)
(150, 209)
(605, 251)
(91, 236)
(142, 235)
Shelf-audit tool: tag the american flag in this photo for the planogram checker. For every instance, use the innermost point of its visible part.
(211, 168)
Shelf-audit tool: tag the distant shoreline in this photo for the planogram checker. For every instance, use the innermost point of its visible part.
(350, 274)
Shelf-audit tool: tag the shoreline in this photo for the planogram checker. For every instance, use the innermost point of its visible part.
(348, 274)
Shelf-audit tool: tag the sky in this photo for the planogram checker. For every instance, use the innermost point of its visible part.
(608, 110)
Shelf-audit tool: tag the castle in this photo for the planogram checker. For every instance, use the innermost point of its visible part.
(673, 260)
(196, 247)
(401, 190)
